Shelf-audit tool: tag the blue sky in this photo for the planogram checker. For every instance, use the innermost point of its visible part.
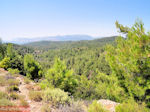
(37, 18)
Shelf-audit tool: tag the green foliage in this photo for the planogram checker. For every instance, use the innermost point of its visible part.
(107, 87)
(101, 86)
(10, 51)
(32, 67)
(130, 63)
(2, 50)
(96, 107)
(56, 97)
(5, 63)
(86, 88)
(12, 59)
(131, 106)
(13, 71)
(59, 76)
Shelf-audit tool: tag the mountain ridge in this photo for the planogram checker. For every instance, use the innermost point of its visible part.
(52, 38)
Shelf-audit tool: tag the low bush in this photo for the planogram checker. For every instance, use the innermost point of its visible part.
(14, 96)
(4, 95)
(96, 107)
(12, 88)
(35, 96)
(131, 106)
(13, 82)
(56, 97)
(5, 102)
(13, 71)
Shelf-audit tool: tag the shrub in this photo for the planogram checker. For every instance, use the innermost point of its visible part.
(2, 81)
(13, 82)
(46, 108)
(14, 96)
(96, 107)
(35, 95)
(13, 71)
(12, 88)
(5, 102)
(5, 63)
(4, 95)
(131, 106)
(61, 77)
(32, 67)
(56, 97)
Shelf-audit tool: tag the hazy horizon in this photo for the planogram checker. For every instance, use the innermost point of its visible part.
(42, 18)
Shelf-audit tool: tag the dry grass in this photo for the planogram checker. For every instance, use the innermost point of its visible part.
(12, 82)
(35, 96)
(2, 81)
(4, 95)
(46, 108)
(26, 80)
(6, 102)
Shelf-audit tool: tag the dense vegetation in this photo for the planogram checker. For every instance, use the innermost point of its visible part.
(89, 70)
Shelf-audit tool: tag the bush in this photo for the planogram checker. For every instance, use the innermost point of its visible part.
(60, 77)
(13, 71)
(131, 106)
(13, 82)
(35, 96)
(56, 97)
(14, 96)
(4, 95)
(12, 88)
(6, 102)
(32, 67)
(5, 63)
(2, 81)
(96, 107)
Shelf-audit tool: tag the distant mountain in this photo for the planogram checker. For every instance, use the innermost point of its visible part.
(52, 38)
(45, 45)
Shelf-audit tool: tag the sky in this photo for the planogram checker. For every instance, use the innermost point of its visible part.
(39, 18)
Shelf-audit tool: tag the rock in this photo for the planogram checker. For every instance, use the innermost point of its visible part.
(108, 104)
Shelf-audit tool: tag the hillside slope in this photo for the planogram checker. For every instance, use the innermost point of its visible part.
(28, 104)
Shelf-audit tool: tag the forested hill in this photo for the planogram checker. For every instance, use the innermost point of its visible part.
(45, 45)
(84, 57)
